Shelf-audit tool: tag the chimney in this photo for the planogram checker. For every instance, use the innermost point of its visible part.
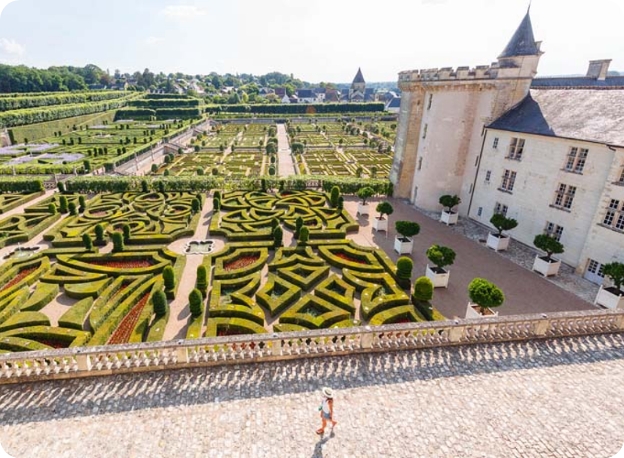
(598, 69)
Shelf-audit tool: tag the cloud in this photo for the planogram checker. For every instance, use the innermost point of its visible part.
(183, 11)
(153, 40)
(11, 47)
(4, 3)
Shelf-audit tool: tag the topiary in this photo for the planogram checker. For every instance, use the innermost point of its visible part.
(216, 204)
(441, 256)
(169, 280)
(195, 205)
(340, 205)
(202, 279)
(548, 244)
(278, 237)
(118, 243)
(448, 202)
(298, 226)
(404, 268)
(485, 294)
(83, 204)
(304, 235)
(61, 186)
(87, 242)
(423, 289)
(196, 303)
(384, 208)
(63, 204)
(144, 187)
(159, 300)
(334, 196)
(365, 193)
(72, 209)
(407, 229)
(99, 233)
(502, 223)
(52, 208)
(615, 271)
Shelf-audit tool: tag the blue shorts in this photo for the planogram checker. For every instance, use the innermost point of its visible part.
(326, 415)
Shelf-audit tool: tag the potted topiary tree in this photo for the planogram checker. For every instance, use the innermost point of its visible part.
(547, 265)
(380, 223)
(364, 193)
(612, 297)
(483, 297)
(500, 241)
(448, 216)
(405, 229)
(441, 256)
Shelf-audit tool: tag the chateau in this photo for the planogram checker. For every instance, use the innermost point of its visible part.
(548, 152)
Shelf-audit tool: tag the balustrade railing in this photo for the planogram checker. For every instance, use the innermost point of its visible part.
(112, 359)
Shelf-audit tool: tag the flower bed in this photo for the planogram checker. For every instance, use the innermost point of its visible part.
(18, 278)
(125, 263)
(241, 262)
(125, 328)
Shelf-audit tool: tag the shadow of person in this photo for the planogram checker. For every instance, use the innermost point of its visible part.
(318, 448)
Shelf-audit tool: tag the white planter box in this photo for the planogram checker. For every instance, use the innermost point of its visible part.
(362, 209)
(546, 268)
(472, 311)
(449, 218)
(609, 300)
(439, 280)
(403, 247)
(380, 224)
(498, 243)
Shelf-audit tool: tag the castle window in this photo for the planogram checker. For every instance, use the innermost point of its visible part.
(479, 211)
(576, 160)
(430, 100)
(508, 181)
(425, 131)
(419, 163)
(500, 209)
(516, 148)
(621, 180)
(488, 175)
(495, 143)
(553, 230)
(564, 196)
(614, 217)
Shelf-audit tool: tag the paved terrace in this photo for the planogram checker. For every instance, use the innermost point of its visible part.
(549, 398)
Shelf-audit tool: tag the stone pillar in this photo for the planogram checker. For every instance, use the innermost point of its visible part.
(84, 362)
(276, 346)
(366, 340)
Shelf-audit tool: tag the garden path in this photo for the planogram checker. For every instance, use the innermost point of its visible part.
(556, 398)
(180, 312)
(286, 166)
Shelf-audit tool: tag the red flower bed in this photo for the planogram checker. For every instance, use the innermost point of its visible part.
(19, 277)
(348, 258)
(98, 214)
(124, 330)
(241, 262)
(53, 343)
(124, 263)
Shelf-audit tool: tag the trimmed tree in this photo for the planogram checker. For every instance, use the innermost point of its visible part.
(52, 208)
(502, 223)
(485, 294)
(61, 186)
(63, 204)
(201, 283)
(278, 237)
(304, 235)
(404, 271)
(441, 256)
(118, 243)
(169, 279)
(87, 242)
(423, 289)
(448, 202)
(196, 303)
(126, 232)
(548, 244)
(298, 226)
(407, 229)
(216, 204)
(72, 209)
(195, 205)
(334, 196)
(159, 300)
(384, 208)
(144, 187)
(99, 234)
(365, 193)
(615, 271)
(82, 202)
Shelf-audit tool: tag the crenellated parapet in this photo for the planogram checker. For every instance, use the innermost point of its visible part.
(450, 74)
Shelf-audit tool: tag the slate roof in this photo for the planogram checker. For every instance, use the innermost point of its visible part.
(522, 42)
(305, 93)
(394, 103)
(594, 115)
(578, 81)
(358, 77)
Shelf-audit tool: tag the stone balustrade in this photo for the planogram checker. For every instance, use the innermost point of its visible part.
(115, 359)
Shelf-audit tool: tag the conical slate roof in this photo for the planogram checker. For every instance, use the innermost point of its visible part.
(522, 43)
(358, 77)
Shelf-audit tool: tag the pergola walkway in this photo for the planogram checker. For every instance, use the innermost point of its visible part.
(553, 398)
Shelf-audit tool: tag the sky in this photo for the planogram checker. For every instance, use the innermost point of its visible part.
(315, 40)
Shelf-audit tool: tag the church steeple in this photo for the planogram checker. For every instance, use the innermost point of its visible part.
(358, 77)
(522, 42)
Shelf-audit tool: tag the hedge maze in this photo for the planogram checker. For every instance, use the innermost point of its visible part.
(326, 282)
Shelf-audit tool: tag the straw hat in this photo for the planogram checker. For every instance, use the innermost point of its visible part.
(328, 392)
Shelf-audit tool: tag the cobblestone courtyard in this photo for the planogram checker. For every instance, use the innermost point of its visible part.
(553, 398)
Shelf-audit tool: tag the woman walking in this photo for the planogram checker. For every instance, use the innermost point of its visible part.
(327, 409)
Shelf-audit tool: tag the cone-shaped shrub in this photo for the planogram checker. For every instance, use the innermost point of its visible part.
(304, 235)
(278, 237)
(52, 208)
(202, 279)
(169, 279)
(118, 243)
(160, 303)
(63, 204)
(87, 242)
(196, 303)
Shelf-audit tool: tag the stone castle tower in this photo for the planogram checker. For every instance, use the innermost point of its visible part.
(358, 87)
(442, 116)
